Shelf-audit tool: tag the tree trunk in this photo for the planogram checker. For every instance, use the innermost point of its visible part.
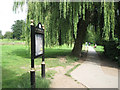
(101, 25)
(73, 35)
(119, 22)
(59, 38)
(81, 33)
(110, 33)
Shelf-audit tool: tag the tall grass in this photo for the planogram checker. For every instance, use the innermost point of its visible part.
(23, 81)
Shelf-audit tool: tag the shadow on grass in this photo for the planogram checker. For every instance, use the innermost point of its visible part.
(7, 74)
(49, 52)
(22, 53)
(10, 80)
(53, 53)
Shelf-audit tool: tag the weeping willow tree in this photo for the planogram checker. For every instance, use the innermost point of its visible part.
(109, 20)
(67, 22)
(106, 21)
(117, 21)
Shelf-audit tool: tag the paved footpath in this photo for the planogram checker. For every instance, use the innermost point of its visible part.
(90, 73)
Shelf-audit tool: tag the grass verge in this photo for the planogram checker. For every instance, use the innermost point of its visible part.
(69, 71)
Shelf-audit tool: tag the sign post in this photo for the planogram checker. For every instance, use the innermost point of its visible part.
(32, 71)
(43, 62)
(37, 49)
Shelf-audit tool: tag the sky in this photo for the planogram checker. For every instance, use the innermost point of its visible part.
(7, 16)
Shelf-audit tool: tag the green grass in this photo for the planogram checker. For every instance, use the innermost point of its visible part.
(9, 40)
(99, 49)
(16, 65)
(69, 71)
(71, 59)
(23, 81)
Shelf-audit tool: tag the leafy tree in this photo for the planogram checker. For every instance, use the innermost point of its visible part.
(8, 35)
(117, 21)
(17, 29)
(68, 22)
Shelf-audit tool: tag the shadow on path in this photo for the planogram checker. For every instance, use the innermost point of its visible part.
(104, 61)
(91, 74)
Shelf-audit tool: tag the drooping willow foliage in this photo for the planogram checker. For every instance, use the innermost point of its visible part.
(61, 18)
(109, 19)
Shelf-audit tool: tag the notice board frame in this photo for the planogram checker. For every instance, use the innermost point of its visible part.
(34, 31)
(39, 29)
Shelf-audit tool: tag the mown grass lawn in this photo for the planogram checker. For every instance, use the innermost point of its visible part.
(16, 65)
(10, 40)
(99, 49)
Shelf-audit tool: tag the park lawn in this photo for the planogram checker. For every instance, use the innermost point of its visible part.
(16, 65)
(99, 49)
(9, 40)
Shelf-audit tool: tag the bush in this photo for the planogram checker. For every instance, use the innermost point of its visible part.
(118, 47)
(111, 50)
(8, 35)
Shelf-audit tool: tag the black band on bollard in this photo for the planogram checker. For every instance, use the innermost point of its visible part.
(43, 69)
(32, 73)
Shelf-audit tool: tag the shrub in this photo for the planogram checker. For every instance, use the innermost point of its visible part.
(118, 47)
(111, 50)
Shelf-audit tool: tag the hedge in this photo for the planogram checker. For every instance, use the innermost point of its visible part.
(112, 50)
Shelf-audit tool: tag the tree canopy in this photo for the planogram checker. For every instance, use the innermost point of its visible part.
(18, 29)
(8, 35)
(72, 22)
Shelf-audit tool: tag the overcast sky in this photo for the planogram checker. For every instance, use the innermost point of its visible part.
(7, 16)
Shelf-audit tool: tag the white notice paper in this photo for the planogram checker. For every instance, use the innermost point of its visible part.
(38, 44)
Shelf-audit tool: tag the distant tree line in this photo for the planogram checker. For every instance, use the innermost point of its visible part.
(17, 31)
